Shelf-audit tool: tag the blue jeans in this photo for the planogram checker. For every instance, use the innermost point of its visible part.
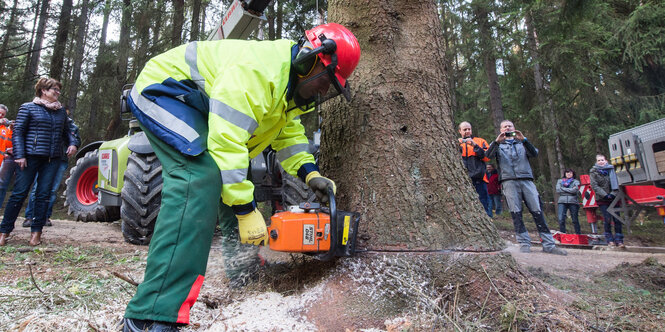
(54, 191)
(481, 189)
(43, 167)
(7, 171)
(495, 204)
(563, 208)
(607, 224)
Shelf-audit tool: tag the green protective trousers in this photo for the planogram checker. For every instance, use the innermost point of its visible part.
(183, 233)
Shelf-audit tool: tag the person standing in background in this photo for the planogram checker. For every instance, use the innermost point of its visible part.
(473, 156)
(568, 188)
(494, 190)
(7, 165)
(605, 184)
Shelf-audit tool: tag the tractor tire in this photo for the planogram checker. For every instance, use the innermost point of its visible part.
(295, 191)
(81, 192)
(141, 197)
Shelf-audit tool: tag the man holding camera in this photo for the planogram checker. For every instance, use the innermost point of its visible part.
(512, 152)
(473, 155)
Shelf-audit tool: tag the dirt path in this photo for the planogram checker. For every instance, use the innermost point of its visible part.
(580, 263)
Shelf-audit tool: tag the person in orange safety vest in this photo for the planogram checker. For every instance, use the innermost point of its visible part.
(473, 155)
(7, 165)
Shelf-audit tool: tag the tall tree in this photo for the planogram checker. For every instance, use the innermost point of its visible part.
(374, 145)
(121, 69)
(81, 26)
(101, 65)
(178, 20)
(31, 69)
(10, 29)
(196, 13)
(57, 60)
(481, 10)
(545, 104)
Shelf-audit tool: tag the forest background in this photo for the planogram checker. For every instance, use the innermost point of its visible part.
(568, 72)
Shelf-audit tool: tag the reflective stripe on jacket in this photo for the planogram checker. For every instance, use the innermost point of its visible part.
(474, 158)
(226, 96)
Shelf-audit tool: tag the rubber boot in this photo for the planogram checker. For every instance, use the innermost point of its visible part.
(35, 239)
(3, 238)
(138, 325)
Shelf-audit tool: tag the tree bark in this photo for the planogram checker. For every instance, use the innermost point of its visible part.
(178, 20)
(121, 71)
(57, 61)
(489, 60)
(393, 148)
(81, 25)
(31, 69)
(10, 29)
(196, 13)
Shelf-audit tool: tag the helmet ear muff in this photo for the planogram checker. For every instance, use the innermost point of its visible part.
(305, 59)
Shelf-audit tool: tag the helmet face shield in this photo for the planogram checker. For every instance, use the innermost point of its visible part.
(316, 89)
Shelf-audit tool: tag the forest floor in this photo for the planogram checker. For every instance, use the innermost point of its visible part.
(75, 282)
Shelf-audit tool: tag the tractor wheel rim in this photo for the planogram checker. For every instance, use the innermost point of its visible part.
(86, 188)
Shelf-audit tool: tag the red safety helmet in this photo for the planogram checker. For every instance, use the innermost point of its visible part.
(348, 49)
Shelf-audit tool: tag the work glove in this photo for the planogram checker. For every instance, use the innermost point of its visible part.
(252, 228)
(609, 197)
(319, 185)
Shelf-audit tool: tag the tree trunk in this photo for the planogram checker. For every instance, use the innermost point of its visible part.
(279, 20)
(31, 70)
(121, 72)
(57, 61)
(81, 26)
(178, 19)
(549, 123)
(196, 13)
(489, 60)
(270, 16)
(142, 21)
(393, 148)
(10, 29)
(95, 81)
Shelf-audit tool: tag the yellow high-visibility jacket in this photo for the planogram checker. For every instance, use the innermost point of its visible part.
(241, 88)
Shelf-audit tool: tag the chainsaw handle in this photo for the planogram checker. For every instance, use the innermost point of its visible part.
(333, 228)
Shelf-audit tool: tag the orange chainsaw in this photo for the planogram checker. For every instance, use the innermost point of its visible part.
(309, 228)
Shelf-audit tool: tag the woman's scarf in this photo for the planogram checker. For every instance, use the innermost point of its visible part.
(55, 105)
(566, 182)
(606, 170)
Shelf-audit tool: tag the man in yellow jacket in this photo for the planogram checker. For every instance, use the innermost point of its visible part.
(207, 109)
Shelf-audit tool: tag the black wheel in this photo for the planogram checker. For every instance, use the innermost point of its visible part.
(141, 197)
(295, 191)
(81, 192)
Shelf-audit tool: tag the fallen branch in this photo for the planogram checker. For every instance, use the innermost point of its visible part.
(32, 277)
(125, 278)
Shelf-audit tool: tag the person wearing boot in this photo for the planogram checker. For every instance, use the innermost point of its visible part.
(42, 123)
(207, 108)
(605, 184)
(512, 152)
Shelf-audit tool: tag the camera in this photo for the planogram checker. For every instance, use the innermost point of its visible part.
(511, 134)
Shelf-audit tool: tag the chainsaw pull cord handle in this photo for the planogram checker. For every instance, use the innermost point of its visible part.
(333, 228)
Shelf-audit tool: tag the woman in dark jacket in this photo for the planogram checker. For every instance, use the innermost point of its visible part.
(606, 186)
(568, 187)
(39, 131)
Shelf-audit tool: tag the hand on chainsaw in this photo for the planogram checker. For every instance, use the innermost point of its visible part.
(252, 228)
(319, 185)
